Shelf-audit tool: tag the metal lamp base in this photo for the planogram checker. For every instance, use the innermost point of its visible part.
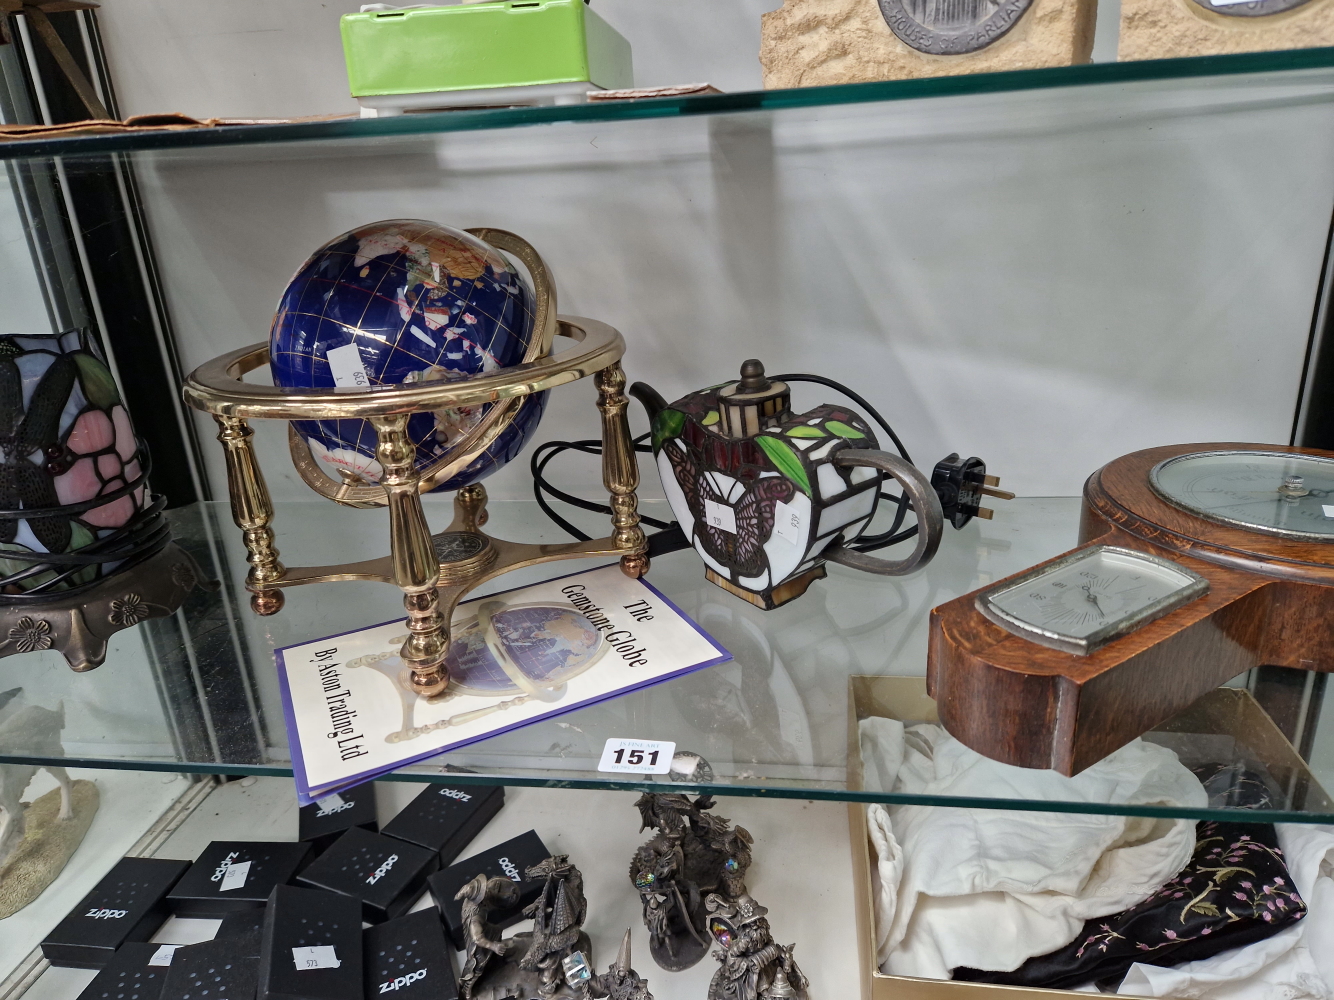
(79, 625)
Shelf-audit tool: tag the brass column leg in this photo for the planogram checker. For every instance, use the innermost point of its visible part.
(416, 568)
(252, 510)
(620, 470)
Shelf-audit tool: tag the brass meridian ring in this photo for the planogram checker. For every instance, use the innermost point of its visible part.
(217, 386)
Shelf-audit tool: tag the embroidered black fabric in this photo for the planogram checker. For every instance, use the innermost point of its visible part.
(1234, 891)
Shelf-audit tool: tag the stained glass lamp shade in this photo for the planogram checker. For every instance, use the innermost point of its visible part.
(84, 550)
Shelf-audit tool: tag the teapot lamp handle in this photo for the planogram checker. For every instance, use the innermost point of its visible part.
(925, 503)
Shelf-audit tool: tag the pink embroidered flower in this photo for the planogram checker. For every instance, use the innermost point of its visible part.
(1207, 930)
(1246, 885)
(1170, 935)
(1266, 916)
(1239, 895)
(1279, 881)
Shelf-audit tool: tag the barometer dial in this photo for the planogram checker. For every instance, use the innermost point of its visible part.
(1272, 492)
(1090, 597)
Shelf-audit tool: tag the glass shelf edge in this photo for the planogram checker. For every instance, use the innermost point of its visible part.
(721, 790)
(1092, 74)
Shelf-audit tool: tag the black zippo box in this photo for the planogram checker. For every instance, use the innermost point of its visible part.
(446, 819)
(244, 928)
(129, 904)
(128, 976)
(320, 824)
(305, 932)
(387, 875)
(212, 970)
(235, 875)
(507, 860)
(410, 954)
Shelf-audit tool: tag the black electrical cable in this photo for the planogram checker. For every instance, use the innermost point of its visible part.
(669, 537)
(548, 450)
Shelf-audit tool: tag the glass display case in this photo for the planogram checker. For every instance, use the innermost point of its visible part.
(1049, 268)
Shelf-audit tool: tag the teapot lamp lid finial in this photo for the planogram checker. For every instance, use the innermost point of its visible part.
(750, 405)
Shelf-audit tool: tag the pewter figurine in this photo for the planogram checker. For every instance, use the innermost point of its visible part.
(751, 966)
(554, 959)
(694, 853)
(620, 981)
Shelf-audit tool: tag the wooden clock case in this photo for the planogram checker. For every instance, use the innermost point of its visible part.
(1270, 602)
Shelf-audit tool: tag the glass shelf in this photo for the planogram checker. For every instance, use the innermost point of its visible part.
(373, 131)
(198, 692)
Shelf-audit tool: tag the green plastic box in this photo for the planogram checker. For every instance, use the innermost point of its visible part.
(561, 46)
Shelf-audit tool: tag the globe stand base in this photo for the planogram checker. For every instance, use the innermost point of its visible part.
(434, 571)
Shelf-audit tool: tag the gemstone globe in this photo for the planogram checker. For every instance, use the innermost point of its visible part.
(397, 302)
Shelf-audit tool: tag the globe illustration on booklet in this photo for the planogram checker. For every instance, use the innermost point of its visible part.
(548, 645)
(398, 302)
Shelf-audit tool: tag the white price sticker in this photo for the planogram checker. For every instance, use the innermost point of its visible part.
(787, 523)
(320, 956)
(235, 876)
(329, 804)
(1328, 509)
(720, 515)
(637, 756)
(347, 368)
(163, 955)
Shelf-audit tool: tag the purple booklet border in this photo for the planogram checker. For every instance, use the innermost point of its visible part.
(303, 792)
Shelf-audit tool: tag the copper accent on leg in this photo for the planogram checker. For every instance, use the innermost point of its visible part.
(252, 511)
(620, 470)
(412, 556)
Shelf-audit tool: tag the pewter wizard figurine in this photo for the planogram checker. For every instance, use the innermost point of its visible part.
(751, 965)
(693, 853)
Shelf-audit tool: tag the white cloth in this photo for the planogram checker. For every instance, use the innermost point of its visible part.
(990, 889)
(1295, 964)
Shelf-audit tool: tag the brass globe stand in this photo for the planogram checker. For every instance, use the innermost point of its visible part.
(433, 571)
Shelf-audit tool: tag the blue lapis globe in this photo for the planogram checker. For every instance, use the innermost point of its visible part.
(404, 301)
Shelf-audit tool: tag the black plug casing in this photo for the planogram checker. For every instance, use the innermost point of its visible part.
(129, 904)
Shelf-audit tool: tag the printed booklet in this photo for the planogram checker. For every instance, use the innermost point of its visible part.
(515, 658)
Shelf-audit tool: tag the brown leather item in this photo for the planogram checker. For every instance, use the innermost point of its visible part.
(1270, 602)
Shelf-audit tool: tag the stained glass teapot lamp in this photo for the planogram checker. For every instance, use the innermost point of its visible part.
(84, 548)
(408, 358)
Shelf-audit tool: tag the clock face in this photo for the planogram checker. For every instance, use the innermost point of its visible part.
(1090, 597)
(1271, 492)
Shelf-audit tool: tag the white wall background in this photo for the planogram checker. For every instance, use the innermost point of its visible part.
(22, 307)
(1046, 279)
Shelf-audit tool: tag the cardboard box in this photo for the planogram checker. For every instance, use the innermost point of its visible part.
(507, 860)
(323, 822)
(129, 904)
(236, 875)
(410, 958)
(311, 947)
(129, 974)
(384, 874)
(1225, 720)
(445, 819)
(211, 970)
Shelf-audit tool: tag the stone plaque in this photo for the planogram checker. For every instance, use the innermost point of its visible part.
(953, 27)
(809, 43)
(1168, 29)
(1249, 8)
